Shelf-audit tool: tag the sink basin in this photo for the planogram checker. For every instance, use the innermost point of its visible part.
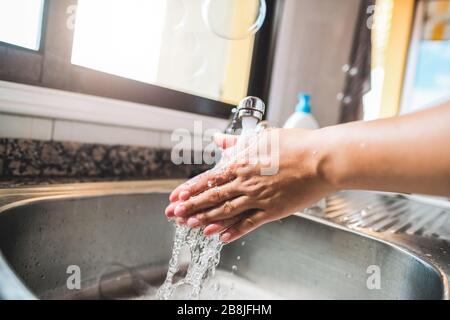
(122, 242)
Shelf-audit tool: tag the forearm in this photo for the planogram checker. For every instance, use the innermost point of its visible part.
(404, 154)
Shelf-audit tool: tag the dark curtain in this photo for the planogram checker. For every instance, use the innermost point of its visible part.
(358, 72)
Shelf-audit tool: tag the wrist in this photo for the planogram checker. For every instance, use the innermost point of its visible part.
(331, 157)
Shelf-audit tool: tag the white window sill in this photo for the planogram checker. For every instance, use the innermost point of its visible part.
(56, 104)
(67, 116)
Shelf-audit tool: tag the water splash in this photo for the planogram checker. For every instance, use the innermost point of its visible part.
(205, 256)
(205, 250)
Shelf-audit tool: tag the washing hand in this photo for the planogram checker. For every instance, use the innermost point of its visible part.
(407, 154)
(239, 197)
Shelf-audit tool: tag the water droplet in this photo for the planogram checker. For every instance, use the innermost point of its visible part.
(234, 268)
(252, 16)
(243, 243)
(238, 258)
(353, 71)
(347, 100)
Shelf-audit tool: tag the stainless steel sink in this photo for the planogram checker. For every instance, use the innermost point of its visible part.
(117, 235)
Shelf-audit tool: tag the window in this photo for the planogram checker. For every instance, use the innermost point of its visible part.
(123, 37)
(171, 43)
(153, 52)
(432, 79)
(21, 22)
(428, 81)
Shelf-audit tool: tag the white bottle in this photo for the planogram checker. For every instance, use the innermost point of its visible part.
(302, 117)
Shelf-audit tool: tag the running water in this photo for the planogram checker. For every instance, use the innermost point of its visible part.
(205, 255)
(205, 251)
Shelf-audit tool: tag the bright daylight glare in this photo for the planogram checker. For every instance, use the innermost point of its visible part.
(20, 22)
(120, 37)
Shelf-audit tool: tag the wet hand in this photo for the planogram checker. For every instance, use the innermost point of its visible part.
(242, 194)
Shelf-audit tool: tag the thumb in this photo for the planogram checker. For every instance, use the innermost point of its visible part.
(225, 141)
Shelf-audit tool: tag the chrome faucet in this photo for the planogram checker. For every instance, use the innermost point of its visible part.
(248, 107)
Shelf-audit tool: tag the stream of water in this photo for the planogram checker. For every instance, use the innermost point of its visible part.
(204, 251)
(205, 255)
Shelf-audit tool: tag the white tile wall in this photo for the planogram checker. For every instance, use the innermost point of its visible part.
(165, 140)
(31, 112)
(94, 133)
(200, 143)
(22, 127)
(12, 126)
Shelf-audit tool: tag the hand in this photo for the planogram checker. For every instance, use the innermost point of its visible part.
(376, 155)
(237, 198)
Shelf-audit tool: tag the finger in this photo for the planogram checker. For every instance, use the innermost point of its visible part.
(170, 210)
(180, 192)
(244, 226)
(208, 199)
(225, 141)
(220, 226)
(225, 211)
(205, 181)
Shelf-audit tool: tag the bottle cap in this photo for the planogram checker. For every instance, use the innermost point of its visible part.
(304, 103)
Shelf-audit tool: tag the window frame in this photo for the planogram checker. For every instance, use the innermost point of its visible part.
(51, 67)
(411, 62)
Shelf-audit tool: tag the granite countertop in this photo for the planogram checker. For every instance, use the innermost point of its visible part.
(31, 162)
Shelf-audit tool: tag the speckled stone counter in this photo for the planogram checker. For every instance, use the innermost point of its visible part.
(30, 162)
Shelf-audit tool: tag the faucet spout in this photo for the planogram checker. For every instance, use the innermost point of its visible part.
(250, 111)
(251, 107)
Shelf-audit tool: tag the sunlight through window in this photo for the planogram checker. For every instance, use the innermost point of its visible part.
(120, 37)
(21, 22)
